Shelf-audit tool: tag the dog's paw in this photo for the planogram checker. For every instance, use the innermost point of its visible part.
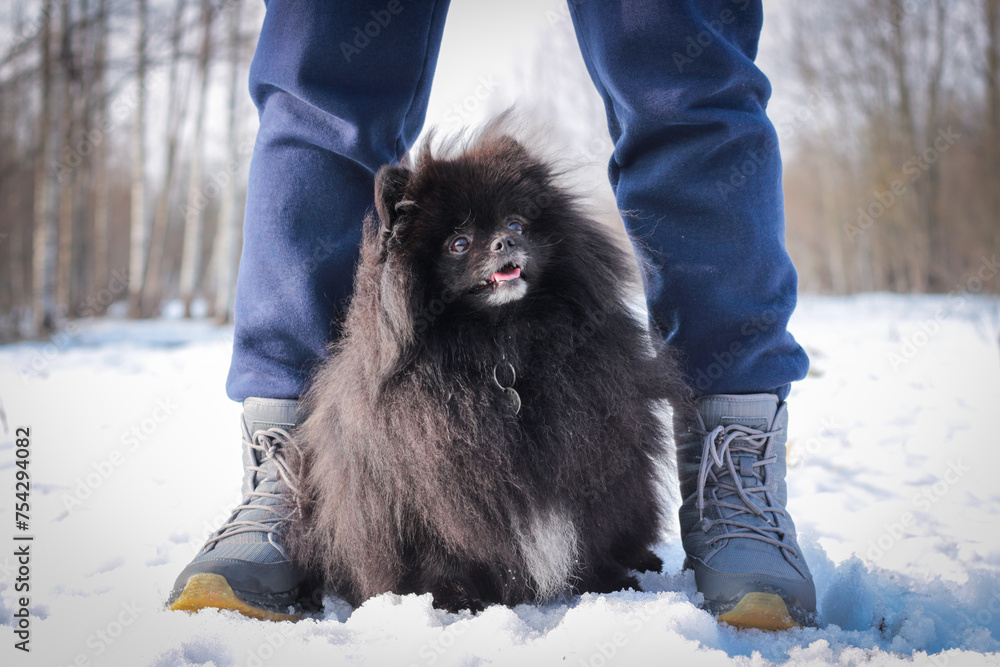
(454, 600)
(611, 581)
(642, 560)
(647, 561)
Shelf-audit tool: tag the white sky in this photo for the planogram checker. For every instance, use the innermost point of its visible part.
(483, 38)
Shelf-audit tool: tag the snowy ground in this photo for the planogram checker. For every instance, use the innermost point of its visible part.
(893, 479)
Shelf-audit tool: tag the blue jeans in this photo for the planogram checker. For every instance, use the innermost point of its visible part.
(342, 88)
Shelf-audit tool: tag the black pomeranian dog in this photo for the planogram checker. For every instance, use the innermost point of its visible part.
(486, 427)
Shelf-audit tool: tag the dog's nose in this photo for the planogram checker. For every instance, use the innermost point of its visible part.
(503, 243)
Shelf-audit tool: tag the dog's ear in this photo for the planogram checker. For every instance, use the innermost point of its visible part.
(390, 186)
(510, 147)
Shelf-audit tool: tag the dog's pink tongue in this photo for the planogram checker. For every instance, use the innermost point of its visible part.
(500, 277)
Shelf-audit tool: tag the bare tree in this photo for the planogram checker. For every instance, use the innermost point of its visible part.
(60, 76)
(872, 204)
(46, 189)
(152, 284)
(194, 216)
(12, 197)
(67, 173)
(886, 67)
(230, 219)
(991, 11)
(102, 189)
(138, 244)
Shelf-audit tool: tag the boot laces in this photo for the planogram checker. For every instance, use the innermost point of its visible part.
(720, 472)
(268, 447)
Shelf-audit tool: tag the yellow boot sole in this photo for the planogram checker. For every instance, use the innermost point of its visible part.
(206, 590)
(763, 611)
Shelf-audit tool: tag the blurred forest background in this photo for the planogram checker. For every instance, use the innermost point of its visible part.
(126, 130)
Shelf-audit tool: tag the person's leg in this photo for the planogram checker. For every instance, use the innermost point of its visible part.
(696, 165)
(342, 88)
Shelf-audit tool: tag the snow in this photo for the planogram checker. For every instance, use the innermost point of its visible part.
(135, 459)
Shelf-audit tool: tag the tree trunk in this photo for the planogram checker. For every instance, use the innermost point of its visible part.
(992, 11)
(936, 273)
(228, 245)
(830, 219)
(138, 235)
(14, 190)
(15, 252)
(68, 168)
(46, 192)
(82, 280)
(194, 215)
(102, 190)
(153, 282)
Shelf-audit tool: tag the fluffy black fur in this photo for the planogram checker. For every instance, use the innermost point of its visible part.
(419, 473)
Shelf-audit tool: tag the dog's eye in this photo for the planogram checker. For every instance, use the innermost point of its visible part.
(515, 225)
(460, 244)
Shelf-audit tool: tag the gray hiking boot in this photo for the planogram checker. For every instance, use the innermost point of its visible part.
(243, 565)
(738, 537)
